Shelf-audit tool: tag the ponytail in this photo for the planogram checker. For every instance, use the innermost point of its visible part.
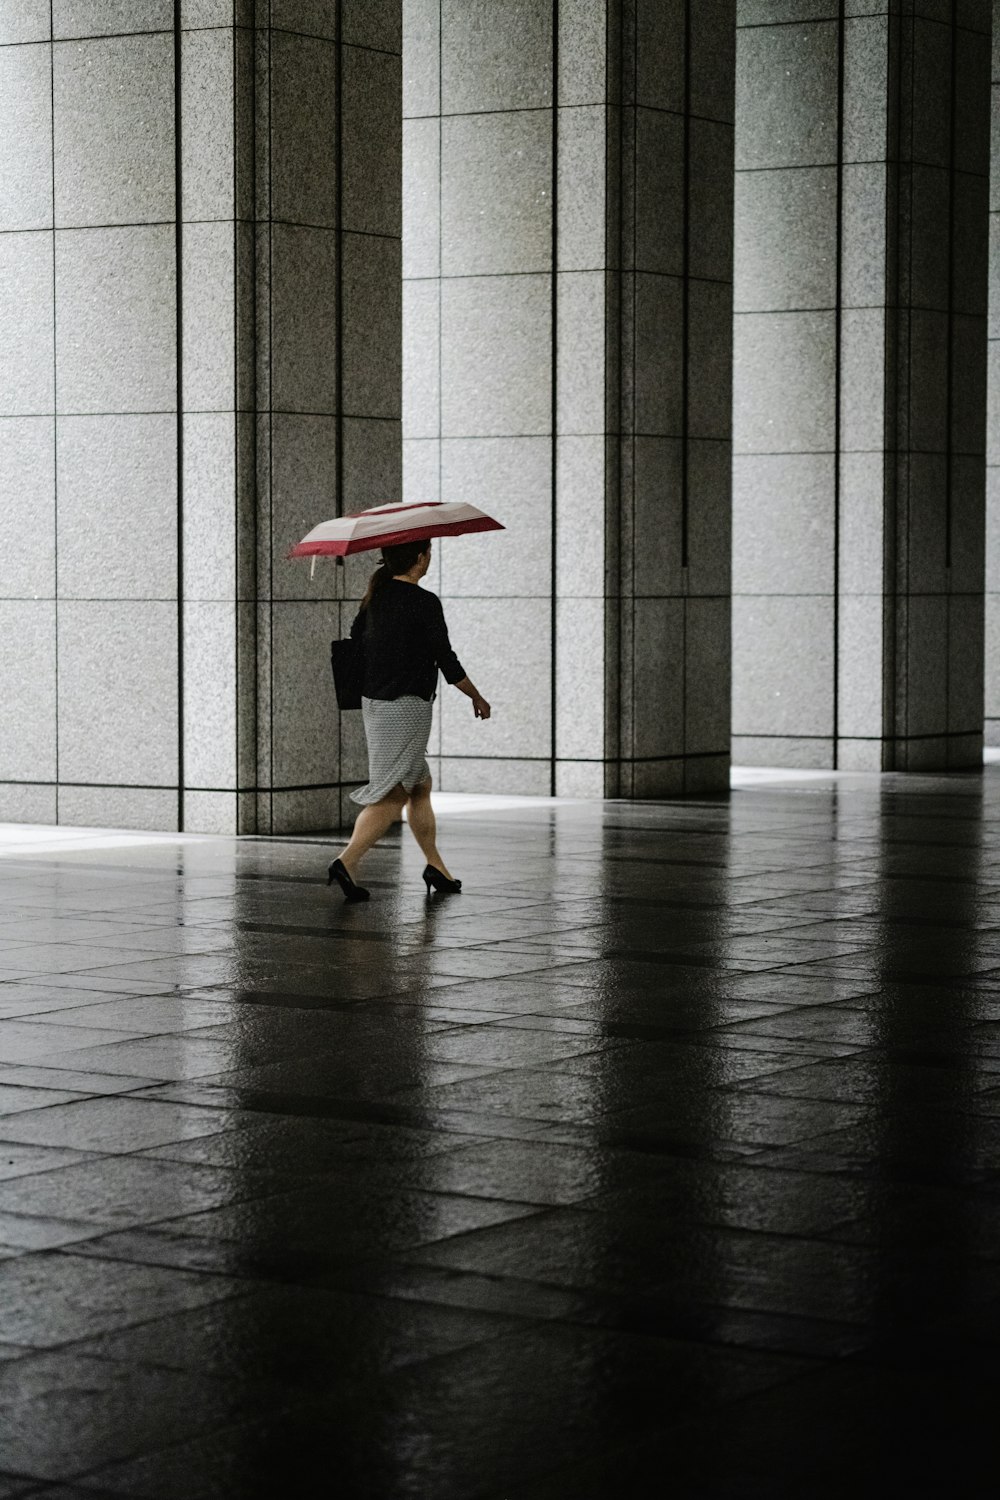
(395, 560)
(376, 582)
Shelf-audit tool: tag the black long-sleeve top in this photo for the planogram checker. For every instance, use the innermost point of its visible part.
(405, 643)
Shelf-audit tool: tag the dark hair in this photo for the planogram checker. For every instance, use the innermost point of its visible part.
(398, 559)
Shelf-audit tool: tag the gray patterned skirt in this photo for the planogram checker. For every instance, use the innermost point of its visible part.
(397, 731)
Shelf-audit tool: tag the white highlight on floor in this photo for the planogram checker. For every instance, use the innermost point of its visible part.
(748, 776)
(26, 839)
(459, 804)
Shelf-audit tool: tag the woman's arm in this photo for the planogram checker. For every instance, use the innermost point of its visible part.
(449, 663)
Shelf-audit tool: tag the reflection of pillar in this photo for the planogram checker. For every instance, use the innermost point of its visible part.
(668, 392)
(925, 1129)
(291, 295)
(568, 309)
(860, 394)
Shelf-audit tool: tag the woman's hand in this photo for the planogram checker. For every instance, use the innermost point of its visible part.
(480, 707)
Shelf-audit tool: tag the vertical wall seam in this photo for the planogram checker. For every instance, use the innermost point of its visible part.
(237, 539)
(950, 368)
(439, 738)
(686, 291)
(338, 291)
(838, 348)
(890, 394)
(55, 403)
(270, 434)
(614, 450)
(950, 302)
(440, 240)
(633, 404)
(179, 276)
(253, 440)
(685, 382)
(338, 377)
(911, 104)
(554, 442)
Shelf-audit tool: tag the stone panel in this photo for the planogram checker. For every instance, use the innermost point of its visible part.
(495, 57)
(791, 497)
(421, 198)
(89, 18)
(502, 650)
(28, 679)
(26, 21)
(114, 138)
(496, 193)
(109, 732)
(495, 356)
(210, 695)
(25, 138)
(783, 401)
(27, 508)
(26, 373)
(371, 149)
(785, 239)
(116, 319)
(508, 476)
(783, 665)
(209, 331)
(786, 93)
(207, 124)
(117, 530)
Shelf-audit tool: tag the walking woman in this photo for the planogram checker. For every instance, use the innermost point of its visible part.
(405, 644)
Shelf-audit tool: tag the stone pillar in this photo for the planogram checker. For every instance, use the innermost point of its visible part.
(669, 384)
(861, 233)
(317, 120)
(567, 253)
(199, 359)
(88, 416)
(935, 374)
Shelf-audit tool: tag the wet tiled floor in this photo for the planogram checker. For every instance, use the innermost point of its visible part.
(665, 1160)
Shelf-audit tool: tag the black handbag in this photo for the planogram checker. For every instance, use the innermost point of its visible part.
(347, 661)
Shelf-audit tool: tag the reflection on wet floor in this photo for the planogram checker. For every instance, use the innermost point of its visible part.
(663, 1160)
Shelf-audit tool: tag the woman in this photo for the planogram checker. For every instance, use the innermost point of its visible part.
(405, 642)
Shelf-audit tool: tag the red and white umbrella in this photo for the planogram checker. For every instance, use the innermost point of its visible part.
(388, 525)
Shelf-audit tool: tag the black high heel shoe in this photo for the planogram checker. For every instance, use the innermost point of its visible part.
(434, 877)
(338, 872)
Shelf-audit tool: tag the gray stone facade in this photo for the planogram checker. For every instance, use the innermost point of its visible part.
(221, 221)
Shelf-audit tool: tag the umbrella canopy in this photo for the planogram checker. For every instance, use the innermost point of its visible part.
(387, 525)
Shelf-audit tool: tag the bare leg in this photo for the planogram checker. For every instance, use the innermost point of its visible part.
(372, 822)
(423, 826)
